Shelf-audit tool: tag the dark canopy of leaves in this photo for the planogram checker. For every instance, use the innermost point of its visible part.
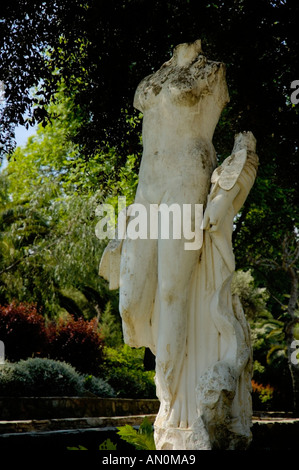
(104, 48)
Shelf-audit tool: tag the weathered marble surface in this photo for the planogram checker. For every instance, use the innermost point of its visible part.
(178, 302)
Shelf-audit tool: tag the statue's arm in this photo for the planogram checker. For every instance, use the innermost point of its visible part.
(231, 182)
(219, 203)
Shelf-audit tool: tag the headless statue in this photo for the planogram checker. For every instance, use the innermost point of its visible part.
(175, 301)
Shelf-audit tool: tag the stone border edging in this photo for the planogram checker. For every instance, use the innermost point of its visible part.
(67, 424)
(40, 408)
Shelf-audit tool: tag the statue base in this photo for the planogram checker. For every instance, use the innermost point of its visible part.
(197, 438)
(194, 438)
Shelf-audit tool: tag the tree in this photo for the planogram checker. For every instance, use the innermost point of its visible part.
(288, 265)
(268, 229)
(50, 255)
(103, 49)
(48, 156)
(48, 247)
(28, 29)
(99, 51)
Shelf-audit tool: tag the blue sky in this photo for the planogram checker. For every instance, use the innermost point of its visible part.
(22, 135)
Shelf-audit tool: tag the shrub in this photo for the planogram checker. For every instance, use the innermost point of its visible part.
(98, 387)
(262, 395)
(26, 334)
(111, 328)
(39, 377)
(22, 329)
(129, 383)
(124, 370)
(77, 342)
(253, 299)
(45, 377)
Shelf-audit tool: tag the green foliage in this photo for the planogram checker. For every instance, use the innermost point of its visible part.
(123, 369)
(253, 299)
(262, 396)
(271, 380)
(102, 56)
(141, 439)
(107, 445)
(270, 367)
(110, 327)
(48, 156)
(98, 387)
(267, 333)
(41, 377)
(62, 255)
(47, 223)
(77, 448)
(78, 343)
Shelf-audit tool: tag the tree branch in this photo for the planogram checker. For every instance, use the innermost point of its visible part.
(39, 250)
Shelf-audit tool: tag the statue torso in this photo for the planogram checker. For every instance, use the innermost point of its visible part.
(180, 111)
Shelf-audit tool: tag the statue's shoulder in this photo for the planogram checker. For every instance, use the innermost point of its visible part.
(149, 88)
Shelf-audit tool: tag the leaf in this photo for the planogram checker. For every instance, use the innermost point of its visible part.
(146, 427)
(77, 448)
(143, 439)
(107, 445)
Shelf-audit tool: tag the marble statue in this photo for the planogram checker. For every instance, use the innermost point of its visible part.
(178, 302)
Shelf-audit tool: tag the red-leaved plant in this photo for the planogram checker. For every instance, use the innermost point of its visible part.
(77, 342)
(23, 331)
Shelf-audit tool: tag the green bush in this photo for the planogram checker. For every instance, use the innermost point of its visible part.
(25, 333)
(39, 377)
(46, 377)
(110, 326)
(98, 387)
(270, 362)
(123, 369)
(253, 299)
